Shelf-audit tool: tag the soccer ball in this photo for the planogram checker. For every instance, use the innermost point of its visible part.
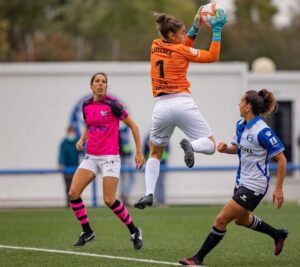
(208, 11)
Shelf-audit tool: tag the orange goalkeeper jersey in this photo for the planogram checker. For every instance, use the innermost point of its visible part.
(169, 64)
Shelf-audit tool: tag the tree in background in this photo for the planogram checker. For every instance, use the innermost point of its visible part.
(4, 46)
(289, 59)
(245, 39)
(22, 19)
(118, 30)
(30, 33)
(122, 30)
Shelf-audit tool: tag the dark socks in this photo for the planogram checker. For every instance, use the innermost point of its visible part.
(211, 241)
(260, 226)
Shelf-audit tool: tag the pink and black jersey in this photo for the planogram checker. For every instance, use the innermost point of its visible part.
(102, 121)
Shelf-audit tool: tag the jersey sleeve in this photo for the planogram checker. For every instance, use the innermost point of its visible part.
(123, 112)
(239, 125)
(268, 140)
(189, 41)
(84, 104)
(234, 139)
(202, 56)
(61, 156)
(116, 107)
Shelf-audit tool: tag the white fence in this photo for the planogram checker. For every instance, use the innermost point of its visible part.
(36, 101)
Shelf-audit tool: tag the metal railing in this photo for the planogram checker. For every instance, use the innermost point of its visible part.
(127, 169)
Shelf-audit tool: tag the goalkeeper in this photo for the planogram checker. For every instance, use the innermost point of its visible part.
(174, 106)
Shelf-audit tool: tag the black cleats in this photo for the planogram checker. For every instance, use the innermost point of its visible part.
(279, 241)
(137, 239)
(144, 201)
(189, 158)
(194, 260)
(84, 238)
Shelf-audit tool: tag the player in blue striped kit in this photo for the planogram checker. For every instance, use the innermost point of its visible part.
(256, 144)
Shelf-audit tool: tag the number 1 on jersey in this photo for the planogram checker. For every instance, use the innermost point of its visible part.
(160, 63)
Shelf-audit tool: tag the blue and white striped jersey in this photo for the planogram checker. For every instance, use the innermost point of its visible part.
(257, 144)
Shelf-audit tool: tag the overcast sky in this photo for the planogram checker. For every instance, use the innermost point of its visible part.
(282, 19)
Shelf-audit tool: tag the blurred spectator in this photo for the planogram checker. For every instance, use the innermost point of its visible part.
(126, 152)
(159, 193)
(68, 159)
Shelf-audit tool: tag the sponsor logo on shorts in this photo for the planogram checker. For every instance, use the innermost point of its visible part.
(244, 198)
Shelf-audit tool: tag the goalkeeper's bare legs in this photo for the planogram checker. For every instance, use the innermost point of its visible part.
(151, 175)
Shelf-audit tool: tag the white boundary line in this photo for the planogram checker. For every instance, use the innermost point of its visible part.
(87, 254)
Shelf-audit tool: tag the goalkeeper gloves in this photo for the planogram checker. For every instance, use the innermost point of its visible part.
(217, 23)
(192, 32)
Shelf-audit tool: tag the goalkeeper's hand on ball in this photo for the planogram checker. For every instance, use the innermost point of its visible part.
(197, 19)
(192, 32)
(217, 23)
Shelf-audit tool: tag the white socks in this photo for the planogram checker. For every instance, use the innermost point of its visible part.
(203, 145)
(151, 174)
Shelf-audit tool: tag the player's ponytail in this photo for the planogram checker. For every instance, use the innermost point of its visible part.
(160, 17)
(270, 103)
(263, 102)
(166, 23)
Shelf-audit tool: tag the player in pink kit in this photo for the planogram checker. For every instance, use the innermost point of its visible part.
(102, 114)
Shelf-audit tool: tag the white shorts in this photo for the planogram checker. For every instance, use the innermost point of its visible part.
(107, 165)
(177, 110)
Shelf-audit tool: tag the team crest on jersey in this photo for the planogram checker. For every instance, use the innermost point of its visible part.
(250, 137)
(194, 51)
(103, 113)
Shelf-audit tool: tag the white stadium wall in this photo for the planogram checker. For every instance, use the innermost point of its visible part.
(36, 101)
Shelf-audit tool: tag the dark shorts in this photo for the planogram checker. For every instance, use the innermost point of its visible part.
(247, 198)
